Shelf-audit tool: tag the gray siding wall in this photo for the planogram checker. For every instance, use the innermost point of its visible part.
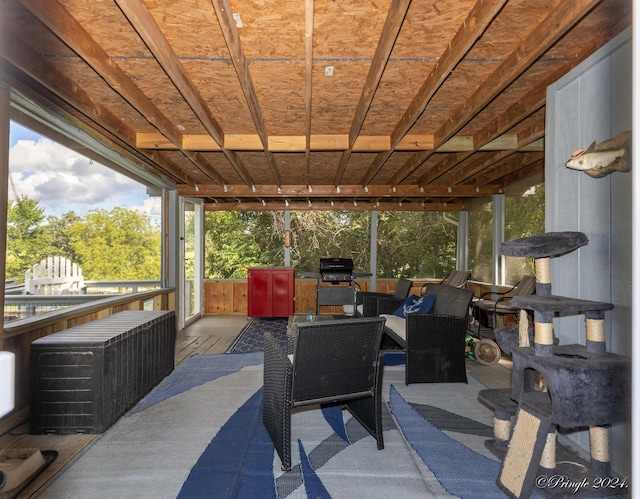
(593, 103)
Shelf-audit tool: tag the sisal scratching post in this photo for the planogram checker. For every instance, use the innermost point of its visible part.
(520, 466)
(543, 334)
(594, 326)
(543, 276)
(523, 329)
(599, 446)
(598, 435)
(499, 399)
(548, 458)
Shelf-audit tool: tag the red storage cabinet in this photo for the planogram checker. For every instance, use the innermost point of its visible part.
(270, 292)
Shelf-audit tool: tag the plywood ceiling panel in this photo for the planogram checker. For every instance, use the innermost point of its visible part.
(243, 101)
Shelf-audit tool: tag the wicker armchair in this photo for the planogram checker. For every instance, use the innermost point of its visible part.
(434, 343)
(333, 361)
(374, 303)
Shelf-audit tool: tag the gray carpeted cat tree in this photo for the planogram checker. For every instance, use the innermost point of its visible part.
(585, 386)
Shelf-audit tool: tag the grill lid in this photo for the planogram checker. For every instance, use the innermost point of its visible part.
(336, 265)
(336, 269)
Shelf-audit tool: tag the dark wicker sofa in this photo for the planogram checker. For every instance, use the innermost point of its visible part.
(434, 343)
(373, 302)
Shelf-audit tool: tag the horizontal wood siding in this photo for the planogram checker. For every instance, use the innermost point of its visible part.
(229, 296)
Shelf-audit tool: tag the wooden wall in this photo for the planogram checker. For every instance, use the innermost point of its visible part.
(229, 296)
(592, 103)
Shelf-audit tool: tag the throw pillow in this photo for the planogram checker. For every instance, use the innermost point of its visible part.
(415, 305)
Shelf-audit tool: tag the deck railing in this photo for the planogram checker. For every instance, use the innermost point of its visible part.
(18, 305)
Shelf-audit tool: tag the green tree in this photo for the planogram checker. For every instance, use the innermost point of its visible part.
(27, 240)
(120, 244)
(59, 233)
(230, 244)
(329, 234)
(416, 244)
(524, 217)
(411, 244)
(525, 214)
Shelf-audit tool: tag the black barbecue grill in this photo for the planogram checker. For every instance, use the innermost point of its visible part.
(336, 270)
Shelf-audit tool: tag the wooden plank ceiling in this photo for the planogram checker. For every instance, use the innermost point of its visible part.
(314, 104)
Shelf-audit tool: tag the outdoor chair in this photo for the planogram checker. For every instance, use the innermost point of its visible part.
(434, 342)
(372, 303)
(325, 362)
(55, 275)
(497, 303)
(455, 278)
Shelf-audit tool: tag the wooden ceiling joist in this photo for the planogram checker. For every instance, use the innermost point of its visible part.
(329, 191)
(472, 28)
(565, 15)
(142, 21)
(390, 31)
(56, 17)
(322, 105)
(232, 39)
(333, 206)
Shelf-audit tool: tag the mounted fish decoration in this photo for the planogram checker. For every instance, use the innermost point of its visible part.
(604, 158)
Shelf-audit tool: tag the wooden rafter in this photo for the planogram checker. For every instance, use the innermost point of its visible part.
(474, 25)
(232, 39)
(428, 103)
(56, 17)
(565, 15)
(324, 191)
(144, 24)
(308, 83)
(390, 30)
(59, 84)
(350, 206)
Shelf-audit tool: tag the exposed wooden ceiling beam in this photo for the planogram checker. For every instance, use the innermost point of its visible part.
(447, 163)
(514, 162)
(323, 205)
(22, 57)
(308, 82)
(527, 105)
(337, 142)
(56, 17)
(549, 31)
(232, 39)
(143, 23)
(329, 191)
(390, 30)
(472, 28)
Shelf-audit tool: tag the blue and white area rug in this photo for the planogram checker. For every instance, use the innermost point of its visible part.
(199, 433)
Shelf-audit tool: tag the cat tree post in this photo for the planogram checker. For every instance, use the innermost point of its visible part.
(587, 386)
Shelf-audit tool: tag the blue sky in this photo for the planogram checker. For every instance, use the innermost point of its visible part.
(63, 180)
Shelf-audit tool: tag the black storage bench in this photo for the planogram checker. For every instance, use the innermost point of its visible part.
(84, 378)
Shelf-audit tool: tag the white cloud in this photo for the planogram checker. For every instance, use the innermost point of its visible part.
(152, 207)
(63, 180)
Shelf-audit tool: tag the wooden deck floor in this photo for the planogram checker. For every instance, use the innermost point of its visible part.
(211, 334)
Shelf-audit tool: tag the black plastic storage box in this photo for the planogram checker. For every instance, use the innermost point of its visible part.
(84, 378)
